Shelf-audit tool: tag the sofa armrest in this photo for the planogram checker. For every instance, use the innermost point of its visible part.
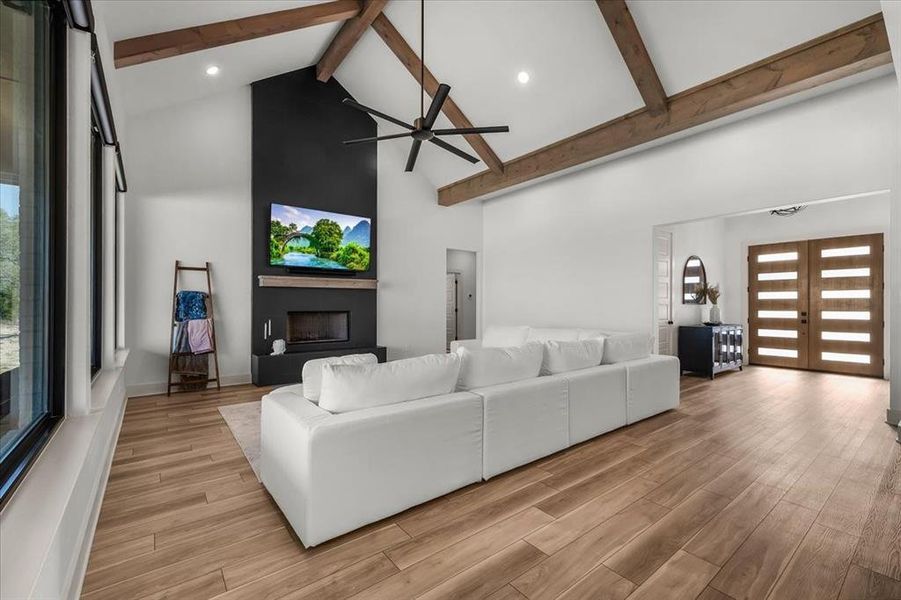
(319, 466)
(287, 422)
(470, 344)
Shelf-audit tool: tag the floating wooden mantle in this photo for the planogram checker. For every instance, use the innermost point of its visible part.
(317, 282)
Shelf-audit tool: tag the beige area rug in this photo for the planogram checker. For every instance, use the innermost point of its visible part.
(244, 422)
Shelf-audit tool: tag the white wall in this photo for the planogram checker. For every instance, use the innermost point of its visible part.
(703, 239)
(189, 198)
(414, 235)
(578, 250)
(465, 263)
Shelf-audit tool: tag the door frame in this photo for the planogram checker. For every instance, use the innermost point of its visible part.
(659, 234)
(810, 305)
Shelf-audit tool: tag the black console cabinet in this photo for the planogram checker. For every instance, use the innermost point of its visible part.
(710, 349)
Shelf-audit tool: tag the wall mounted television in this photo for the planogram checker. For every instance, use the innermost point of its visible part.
(304, 238)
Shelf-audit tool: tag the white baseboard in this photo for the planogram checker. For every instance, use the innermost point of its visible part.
(152, 389)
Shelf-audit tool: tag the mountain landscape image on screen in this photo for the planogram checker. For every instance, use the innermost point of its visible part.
(317, 239)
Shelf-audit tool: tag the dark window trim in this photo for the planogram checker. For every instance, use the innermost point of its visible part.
(79, 14)
(117, 197)
(20, 459)
(96, 248)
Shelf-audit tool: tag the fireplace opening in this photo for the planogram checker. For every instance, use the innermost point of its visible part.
(307, 327)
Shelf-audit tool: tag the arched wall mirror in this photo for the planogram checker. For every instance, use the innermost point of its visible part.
(693, 275)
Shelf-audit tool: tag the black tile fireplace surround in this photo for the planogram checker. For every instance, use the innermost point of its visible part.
(315, 323)
(298, 159)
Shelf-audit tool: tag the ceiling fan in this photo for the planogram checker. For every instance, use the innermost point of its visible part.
(421, 130)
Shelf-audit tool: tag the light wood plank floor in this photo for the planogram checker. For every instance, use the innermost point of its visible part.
(769, 483)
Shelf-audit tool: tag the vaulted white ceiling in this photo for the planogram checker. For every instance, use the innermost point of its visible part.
(578, 78)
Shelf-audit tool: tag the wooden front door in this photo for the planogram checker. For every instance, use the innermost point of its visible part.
(778, 304)
(846, 295)
(818, 304)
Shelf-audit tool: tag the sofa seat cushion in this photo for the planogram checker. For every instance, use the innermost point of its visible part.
(493, 366)
(524, 421)
(560, 357)
(354, 387)
(620, 347)
(504, 336)
(597, 401)
(311, 375)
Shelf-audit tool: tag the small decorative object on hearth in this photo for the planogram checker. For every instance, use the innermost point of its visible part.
(278, 347)
(713, 294)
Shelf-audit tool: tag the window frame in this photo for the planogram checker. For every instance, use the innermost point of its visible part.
(117, 197)
(97, 147)
(22, 456)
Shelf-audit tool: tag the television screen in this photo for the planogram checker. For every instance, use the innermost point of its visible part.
(317, 239)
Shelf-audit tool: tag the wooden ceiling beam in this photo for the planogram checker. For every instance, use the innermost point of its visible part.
(346, 38)
(853, 49)
(631, 46)
(146, 48)
(410, 60)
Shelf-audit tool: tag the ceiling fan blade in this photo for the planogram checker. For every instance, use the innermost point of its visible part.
(414, 152)
(435, 106)
(372, 111)
(465, 130)
(375, 139)
(454, 150)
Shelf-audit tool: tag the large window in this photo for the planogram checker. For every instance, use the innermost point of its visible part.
(32, 231)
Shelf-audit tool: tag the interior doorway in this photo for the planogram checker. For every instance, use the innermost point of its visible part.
(663, 259)
(818, 304)
(724, 245)
(460, 295)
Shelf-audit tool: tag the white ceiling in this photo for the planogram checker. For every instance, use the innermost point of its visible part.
(691, 42)
(578, 78)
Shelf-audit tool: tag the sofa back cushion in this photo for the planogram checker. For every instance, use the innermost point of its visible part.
(561, 357)
(353, 387)
(620, 347)
(312, 371)
(590, 334)
(492, 366)
(504, 336)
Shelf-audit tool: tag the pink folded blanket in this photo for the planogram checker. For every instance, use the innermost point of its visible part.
(200, 336)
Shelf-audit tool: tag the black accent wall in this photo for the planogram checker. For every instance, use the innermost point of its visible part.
(299, 160)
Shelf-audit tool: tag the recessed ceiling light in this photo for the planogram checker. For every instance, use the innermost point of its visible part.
(212, 70)
(523, 77)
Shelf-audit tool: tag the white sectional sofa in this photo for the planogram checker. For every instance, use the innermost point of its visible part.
(332, 472)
